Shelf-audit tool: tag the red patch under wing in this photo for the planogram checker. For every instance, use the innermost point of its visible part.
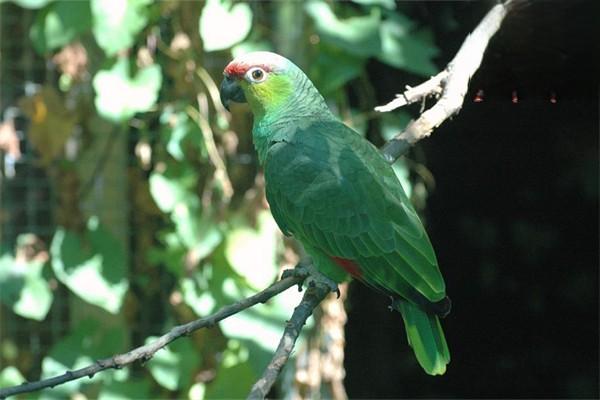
(349, 266)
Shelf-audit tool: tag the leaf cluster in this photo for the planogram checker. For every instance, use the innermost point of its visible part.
(137, 80)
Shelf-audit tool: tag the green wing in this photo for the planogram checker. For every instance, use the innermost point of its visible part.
(332, 190)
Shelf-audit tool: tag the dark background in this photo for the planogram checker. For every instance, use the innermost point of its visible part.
(513, 217)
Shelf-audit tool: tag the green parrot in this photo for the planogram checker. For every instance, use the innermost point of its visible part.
(333, 191)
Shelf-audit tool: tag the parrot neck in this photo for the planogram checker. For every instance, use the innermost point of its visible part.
(303, 105)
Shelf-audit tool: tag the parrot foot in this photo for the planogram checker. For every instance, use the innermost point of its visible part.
(318, 278)
(300, 270)
(311, 276)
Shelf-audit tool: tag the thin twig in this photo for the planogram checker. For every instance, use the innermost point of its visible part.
(145, 353)
(201, 118)
(452, 83)
(213, 90)
(312, 297)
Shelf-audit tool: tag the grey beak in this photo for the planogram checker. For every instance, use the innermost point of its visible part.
(230, 91)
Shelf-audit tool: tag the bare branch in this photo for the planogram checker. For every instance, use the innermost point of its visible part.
(452, 83)
(145, 353)
(315, 293)
(433, 86)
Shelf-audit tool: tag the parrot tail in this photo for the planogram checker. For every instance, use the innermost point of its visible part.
(425, 336)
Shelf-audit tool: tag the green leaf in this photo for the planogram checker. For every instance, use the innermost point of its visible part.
(11, 376)
(197, 232)
(223, 25)
(357, 35)
(117, 22)
(249, 46)
(389, 4)
(197, 391)
(233, 369)
(131, 389)
(88, 341)
(403, 174)
(251, 253)
(201, 301)
(180, 134)
(169, 191)
(269, 319)
(404, 48)
(59, 24)
(92, 267)
(23, 289)
(334, 67)
(31, 4)
(174, 366)
(119, 96)
(394, 123)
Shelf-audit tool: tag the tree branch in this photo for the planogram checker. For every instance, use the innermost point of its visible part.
(452, 83)
(145, 353)
(315, 293)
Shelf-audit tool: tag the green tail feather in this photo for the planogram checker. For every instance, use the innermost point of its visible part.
(426, 337)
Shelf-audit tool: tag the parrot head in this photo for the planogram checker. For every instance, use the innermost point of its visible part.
(261, 78)
(267, 81)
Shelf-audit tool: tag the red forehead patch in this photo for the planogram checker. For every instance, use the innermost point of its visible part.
(240, 68)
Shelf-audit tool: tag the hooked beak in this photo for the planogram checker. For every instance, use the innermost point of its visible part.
(230, 91)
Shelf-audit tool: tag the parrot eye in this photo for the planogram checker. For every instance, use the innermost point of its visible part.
(256, 74)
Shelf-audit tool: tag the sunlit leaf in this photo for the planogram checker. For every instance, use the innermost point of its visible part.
(59, 24)
(119, 95)
(251, 253)
(93, 266)
(389, 4)
(222, 24)
(117, 22)
(232, 370)
(201, 301)
(198, 233)
(11, 376)
(23, 288)
(403, 174)
(249, 45)
(356, 35)
(393, 123)
(173, 367)
(89, 340)
(167, 193)
(269, 319)
(31, 4)
(181, 134)
(197, 391)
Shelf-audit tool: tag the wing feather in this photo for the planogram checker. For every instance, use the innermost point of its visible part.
(332, 190)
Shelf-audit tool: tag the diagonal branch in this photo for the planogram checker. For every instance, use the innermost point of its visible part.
(452, 83)
(315, 293)
(145, 353)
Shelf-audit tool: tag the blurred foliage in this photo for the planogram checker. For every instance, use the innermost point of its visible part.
(202, 235)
